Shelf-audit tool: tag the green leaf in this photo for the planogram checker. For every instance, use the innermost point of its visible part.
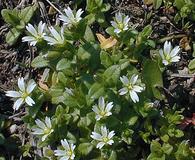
(11, 16)
(157, 3)
(89, 52)
(156, 157)
(110, 31)
(84, 122)
(100, 18)
(152, 77)
(89, 35)
(20, 26)
(27, 13)
(179, 3)
(105, 7)
(183, 152)
(33, 111)
(127, 136)
(62, 78)
(167, 148)
(63, 64)
(155, 147)
(147, 31)
(99, 3)
(39, 62)
(113, 156)
(106, 60)
(96, 91)
(12, 36)
(112, 74)
(179, 133)
(191, 66)
(85, 148)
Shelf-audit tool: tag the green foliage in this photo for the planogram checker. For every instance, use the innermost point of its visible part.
(17, 19)
(186, 9)
(78, 73)
(96, 8)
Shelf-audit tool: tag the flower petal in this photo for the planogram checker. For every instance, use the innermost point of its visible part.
(29, 101)
(119, 17)
(60, 152)
(38, 131)
(40, 124)
(28, 39)
(100, 145)
(133, 79)
(96, 109)
(175, 51)
(31, 85)
(21, 84)
(69, 13)
(161, 54)
(96, 136)
(110, 142)
(14, 94)
(109, 106)
(111, 134)
(134, 96)
(32, 30)
(65, 144)
(137, 88)
(41, 27)
(65, 157)
(18, 103)
(165, 62)
(78, 15)
(48, 122)
(104, 131)
(101, 103)
(175, 59)
(124, 80)
(123, 91)
(167, 47)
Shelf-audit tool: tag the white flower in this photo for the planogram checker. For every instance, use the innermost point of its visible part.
(69, 91)
(131, 87)
(169, 54)
(68, 152)
(23, 95)
(36, 35)
(105, 137)
(70, 18)
(121, 23)
(102, 110)
(57, 38)
(44, 128)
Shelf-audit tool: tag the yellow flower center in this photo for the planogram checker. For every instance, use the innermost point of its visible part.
(24, 95)
(47, 130)
(69, 152)
(168, 57)
(105, 139)
(120, 26)
(130, 87)
(102, 113)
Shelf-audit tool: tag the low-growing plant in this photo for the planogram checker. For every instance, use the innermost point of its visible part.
(96, 99)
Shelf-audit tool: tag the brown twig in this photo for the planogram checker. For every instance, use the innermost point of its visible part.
(54, 7)
(17, 115)
(175, 75)
(171, 37)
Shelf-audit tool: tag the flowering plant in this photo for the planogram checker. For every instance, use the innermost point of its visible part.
(97, 100)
